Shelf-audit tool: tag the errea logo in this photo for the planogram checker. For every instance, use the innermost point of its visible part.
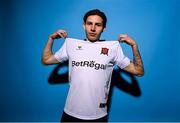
(79, 47)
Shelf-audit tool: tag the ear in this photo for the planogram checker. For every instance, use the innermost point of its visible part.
(84, 26)
(104, 29)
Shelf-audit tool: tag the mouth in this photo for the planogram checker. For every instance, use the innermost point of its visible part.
(92, 34)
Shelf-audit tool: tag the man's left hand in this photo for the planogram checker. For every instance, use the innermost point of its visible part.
(125, 38)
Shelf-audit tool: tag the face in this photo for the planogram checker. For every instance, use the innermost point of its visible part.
(93, 27)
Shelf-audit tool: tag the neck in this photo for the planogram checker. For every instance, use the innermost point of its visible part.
(91, 40)
(94, 41)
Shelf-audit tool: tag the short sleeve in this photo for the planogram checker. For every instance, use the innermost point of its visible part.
(61, 54)
(120, 59)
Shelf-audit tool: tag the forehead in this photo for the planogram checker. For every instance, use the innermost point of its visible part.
(94, 18)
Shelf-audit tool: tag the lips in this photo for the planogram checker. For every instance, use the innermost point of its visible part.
(92, 34)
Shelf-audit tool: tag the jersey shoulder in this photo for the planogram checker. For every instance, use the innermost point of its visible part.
(113, 44)
(73, 40)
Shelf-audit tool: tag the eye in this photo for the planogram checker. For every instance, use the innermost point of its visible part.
(99, 24)
(89, 23)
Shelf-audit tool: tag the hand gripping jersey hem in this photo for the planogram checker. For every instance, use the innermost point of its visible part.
(85, 117)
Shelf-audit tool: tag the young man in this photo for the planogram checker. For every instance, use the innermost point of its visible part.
(91, 64)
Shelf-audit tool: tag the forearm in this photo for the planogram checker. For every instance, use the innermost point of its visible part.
(137, 60)
(47, 52)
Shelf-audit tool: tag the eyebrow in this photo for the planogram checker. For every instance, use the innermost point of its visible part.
(92, 22)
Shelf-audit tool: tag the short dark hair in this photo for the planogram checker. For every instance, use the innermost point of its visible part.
(96, 12)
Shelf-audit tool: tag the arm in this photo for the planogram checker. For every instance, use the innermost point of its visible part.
(47, 55)
(136, 66)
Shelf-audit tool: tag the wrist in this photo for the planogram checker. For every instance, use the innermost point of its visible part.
(51, 38)
(134, 46)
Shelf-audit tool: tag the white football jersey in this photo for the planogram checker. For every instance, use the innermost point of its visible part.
(90, 69)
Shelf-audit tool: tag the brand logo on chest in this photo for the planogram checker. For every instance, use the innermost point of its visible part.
(79, 47)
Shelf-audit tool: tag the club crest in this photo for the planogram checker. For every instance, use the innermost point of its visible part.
(104, 51)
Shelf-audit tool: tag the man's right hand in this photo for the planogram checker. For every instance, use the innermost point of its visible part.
(59, 34)
(47, 56)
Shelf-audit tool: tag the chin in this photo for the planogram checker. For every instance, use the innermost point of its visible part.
(92, 39)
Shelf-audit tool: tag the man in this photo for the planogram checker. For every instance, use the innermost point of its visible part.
(91, 64)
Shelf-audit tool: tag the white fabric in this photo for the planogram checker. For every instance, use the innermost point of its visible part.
(90, 70)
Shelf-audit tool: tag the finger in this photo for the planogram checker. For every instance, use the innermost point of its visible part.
(60, 31)
(54, 35)
(65, 35)
(122, 39)
(123, 35)
(61, 35)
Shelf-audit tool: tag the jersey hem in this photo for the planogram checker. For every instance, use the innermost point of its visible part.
(85, 117)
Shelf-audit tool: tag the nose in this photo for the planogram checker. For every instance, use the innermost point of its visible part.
(93, 28)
